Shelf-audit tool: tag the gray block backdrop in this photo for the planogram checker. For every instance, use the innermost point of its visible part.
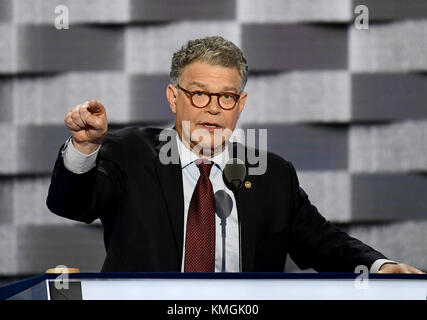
(348, 107)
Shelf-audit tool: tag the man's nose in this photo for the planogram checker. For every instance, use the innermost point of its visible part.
(213, 106)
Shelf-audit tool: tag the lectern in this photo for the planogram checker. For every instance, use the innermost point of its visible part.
(218, 286)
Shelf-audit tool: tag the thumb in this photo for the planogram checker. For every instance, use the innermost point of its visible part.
(95, 107)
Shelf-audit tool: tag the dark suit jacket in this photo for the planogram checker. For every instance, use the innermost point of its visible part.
(140, 203)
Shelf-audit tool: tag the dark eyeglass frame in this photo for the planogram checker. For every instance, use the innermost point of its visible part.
(236, 97)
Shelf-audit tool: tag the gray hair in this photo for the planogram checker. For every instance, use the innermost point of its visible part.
(213, 50)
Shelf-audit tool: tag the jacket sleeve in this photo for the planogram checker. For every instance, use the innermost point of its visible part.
(91, 195)
(317, 243)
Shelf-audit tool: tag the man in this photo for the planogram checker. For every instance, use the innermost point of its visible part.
(164, 217)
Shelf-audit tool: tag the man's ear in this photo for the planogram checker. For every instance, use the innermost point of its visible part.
(242, 101)
(171, 95)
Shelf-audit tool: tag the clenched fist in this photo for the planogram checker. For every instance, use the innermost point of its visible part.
(88, 124)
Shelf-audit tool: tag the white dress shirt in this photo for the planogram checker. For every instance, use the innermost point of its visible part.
(190, 176)
(79, 163)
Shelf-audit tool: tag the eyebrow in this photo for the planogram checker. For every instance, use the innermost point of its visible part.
(204, 87)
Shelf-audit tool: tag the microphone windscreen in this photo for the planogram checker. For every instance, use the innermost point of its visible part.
(223, 203)
(234, 173)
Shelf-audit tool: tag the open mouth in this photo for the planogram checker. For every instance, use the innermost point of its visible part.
(210, 125)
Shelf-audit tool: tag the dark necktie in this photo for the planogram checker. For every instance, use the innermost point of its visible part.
(200, 233)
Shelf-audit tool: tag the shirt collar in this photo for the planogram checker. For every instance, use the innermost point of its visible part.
(187, 156)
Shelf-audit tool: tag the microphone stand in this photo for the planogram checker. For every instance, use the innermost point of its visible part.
(239, 220)
(223, 233)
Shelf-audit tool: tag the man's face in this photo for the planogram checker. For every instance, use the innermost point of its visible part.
(209, 127)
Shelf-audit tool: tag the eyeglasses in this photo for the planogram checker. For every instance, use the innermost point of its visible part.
(200, 99)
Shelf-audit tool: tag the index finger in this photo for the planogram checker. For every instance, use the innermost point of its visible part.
(95, 107)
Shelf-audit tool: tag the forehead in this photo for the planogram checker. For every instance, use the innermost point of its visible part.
(210, 76)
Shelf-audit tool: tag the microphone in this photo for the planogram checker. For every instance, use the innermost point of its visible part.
(234, 174)
(223, 205)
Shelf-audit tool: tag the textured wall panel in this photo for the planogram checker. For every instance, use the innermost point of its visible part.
(294, 11)
(44, 48)
(8, 247)
(148, 98)
(298, 96)
(329, 192)
(149, 49)
(401, 242)
(389, 196)
(286, 46)
(46, 100)
(394, 9)
(5, 10)
(38, 147)
(8, 48)
(154, 10)
(29, 149)
(43, 247)
(399, 46)
(94, 11)
(8, 148)
(389, 96)
(6, 100)
(397, 147)
(23, 201)
(6, 201)
(28, 196)
(309, 147)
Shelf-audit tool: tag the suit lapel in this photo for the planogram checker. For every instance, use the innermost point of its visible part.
(170, 178)
(247, 207)
(247, 210)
